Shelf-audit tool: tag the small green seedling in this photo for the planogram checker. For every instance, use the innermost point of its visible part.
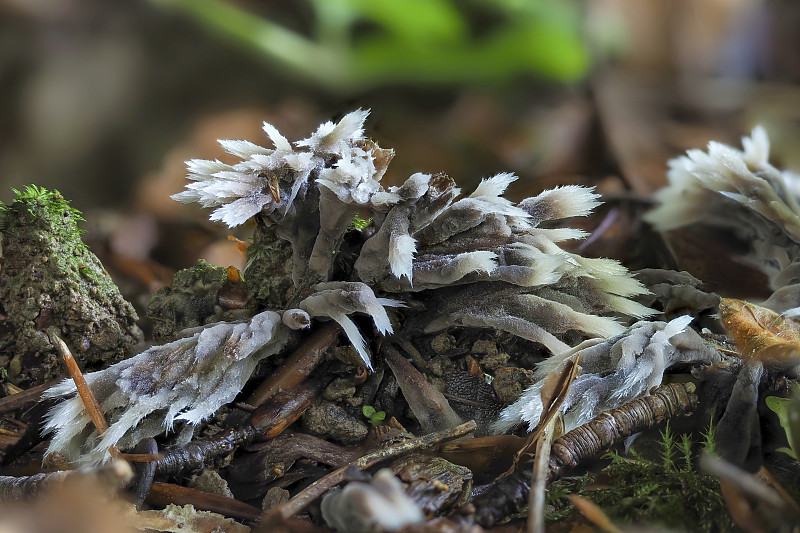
(376, 418)
(359, 223)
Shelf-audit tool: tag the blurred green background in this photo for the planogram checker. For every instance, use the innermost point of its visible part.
(105, 100)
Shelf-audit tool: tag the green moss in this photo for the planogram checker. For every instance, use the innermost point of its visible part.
(359, 223)
(50, 278)
(268, 272)
(37, 206)
(192, 299)
(667, 491)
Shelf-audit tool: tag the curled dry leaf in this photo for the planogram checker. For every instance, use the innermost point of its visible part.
(185, 519)
(553, 393)
(761, 333)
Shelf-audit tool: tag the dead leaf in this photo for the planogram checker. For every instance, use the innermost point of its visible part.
(553, 393)
(761, 333)
(487, 457)
(473, 367)
(739, 508)
(594, 514)
(185, 520)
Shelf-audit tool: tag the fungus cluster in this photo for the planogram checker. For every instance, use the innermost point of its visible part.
(478, 261)
(740, 191)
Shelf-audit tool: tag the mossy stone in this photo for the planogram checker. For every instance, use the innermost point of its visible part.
(50, 279)
(268, 273)
(193, 299)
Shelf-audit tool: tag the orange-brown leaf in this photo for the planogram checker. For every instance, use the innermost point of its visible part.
(761, 333)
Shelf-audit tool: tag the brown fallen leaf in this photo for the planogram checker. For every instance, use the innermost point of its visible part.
(595, 515)
(487, 457)
(553, 394)
(761, 333)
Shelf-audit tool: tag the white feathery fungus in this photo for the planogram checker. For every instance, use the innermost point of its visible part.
(252, 186)
(478, 261)
(561, 202)
(612, 372)
(333, 138)
(185, 380)
(426, 239)
(381, 505)
(337, 299)
(345, 170)
(739, 191)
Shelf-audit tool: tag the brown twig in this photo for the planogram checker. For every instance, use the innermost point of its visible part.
(509, 494)
(324, 484)
(116, 473)
(23, 399)
(298, 366)
(266, 422)
(87, 397)
(163, 494)
(582, 443)
(594, 514)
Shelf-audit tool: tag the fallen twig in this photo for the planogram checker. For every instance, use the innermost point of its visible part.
(539, 477)
(115, 473)
(298, 366)
(23, 399)
(594, 514)
(509, 494)
(324, 484)
(163, 494)
(553, 395)
(266, 422)
(90, 403)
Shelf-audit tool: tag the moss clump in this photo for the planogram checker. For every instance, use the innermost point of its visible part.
(50, 279)
(197, 296)
(268, 273)
(668, 492)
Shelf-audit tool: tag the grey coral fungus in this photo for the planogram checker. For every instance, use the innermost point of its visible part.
(478, 261)
(185, 380)
(739, 190)
(381, 505)
(338, 299)
(613, 372)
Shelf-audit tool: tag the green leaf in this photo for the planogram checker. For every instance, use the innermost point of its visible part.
(380, 415)
(414, 20)
(787, 451)
(368, 411)
(408, 41)
(788, 411)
